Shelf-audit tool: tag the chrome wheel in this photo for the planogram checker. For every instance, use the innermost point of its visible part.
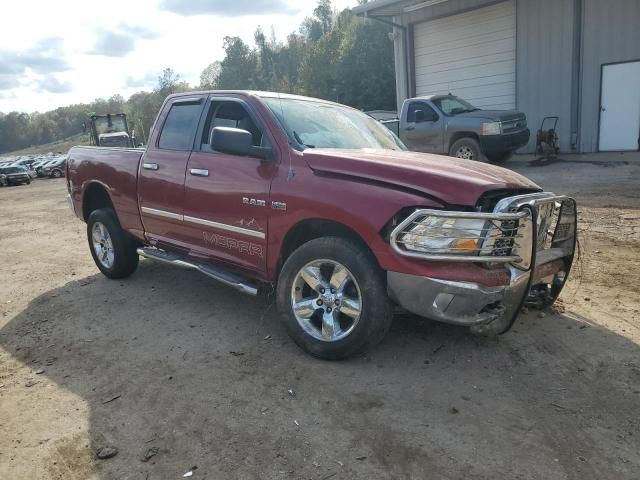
(326, 300)
(465, 152)
(102, 245)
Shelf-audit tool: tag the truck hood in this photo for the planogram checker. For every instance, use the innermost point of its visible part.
(495, 115)
(453, 181)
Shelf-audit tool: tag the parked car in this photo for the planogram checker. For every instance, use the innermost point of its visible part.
(54, 169)
(16, 175)
(24, 162)
(325, 204)
(42, 169)
(39, 163)
(449, 125)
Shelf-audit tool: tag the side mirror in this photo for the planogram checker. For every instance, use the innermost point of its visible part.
(420, 116)
(236, 142)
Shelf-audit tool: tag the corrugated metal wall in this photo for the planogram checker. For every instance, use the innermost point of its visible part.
(544, 64)
(611, 33)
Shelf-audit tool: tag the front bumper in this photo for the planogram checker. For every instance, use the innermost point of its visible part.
(496, 307)
(18, 179)
(458, 303)
(507, 142)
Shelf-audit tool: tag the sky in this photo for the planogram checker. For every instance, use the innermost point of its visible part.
(61, 52)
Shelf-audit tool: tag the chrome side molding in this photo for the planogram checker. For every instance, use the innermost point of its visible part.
(161, 213)
(201, 221)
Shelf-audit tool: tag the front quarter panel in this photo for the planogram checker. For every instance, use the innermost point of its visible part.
(364, 207)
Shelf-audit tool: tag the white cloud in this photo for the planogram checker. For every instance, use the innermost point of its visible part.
(121, 41)
(121, 46)
(225, 8)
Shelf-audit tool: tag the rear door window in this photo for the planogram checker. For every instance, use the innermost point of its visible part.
(180, 127)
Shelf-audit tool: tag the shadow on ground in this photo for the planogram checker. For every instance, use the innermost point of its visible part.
(551, 159)
(169, 360)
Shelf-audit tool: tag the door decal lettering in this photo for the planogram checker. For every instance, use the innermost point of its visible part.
(241, 246)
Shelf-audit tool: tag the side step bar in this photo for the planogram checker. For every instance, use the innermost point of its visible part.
(222, 276)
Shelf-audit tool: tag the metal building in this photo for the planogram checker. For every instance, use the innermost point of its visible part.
(575, 59)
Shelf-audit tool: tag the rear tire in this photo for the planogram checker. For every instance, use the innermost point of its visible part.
(113, 251)
(347, 310)
(56, 174)
(468, 149)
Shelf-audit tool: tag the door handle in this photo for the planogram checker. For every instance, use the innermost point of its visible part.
(199, 171)
(150, 166)
(410, 127)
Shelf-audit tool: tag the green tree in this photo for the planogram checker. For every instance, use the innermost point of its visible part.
(210, 76)
(365, 71)
(238, 69)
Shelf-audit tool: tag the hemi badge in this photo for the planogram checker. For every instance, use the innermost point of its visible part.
(279, 205)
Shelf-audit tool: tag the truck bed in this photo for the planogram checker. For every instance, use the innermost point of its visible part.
(116, 169)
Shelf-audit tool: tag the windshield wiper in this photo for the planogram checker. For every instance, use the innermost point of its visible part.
(299, 140)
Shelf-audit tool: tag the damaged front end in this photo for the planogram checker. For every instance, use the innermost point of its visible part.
(531, 237)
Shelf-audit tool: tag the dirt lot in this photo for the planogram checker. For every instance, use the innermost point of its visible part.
(169, 360)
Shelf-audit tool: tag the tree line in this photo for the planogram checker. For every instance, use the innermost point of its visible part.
(335, 56)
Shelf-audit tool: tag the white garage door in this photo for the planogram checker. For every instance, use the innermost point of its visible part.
(471, 55)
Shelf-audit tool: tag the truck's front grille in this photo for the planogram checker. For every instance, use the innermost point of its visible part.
(489, 200)
(515, 125)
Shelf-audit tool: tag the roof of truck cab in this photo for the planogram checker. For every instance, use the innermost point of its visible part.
(255, 93)
(431, 97)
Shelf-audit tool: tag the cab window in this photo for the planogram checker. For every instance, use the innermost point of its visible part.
(429, 114)
(180, 126)
(231, 114)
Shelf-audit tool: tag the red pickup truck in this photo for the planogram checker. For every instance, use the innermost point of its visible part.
(254, 188)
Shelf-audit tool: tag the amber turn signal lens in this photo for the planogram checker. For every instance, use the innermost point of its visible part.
(465, 244)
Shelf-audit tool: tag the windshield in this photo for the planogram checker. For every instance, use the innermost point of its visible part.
(324, 125)
(117, 124)
(453, 105)
(8, 170)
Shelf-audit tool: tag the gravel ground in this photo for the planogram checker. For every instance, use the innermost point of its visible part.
(178, 372)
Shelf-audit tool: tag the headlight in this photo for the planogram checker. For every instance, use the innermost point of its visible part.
(491, 128)
(448, 236)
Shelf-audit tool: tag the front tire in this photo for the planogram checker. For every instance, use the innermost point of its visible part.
(112, 250)
(468, 149)
(333, 299)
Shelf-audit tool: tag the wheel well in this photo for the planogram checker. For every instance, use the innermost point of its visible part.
(458, 135)
(95, 197)
(308, 230)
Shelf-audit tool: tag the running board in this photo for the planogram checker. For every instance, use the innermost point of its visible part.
(222, 276)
